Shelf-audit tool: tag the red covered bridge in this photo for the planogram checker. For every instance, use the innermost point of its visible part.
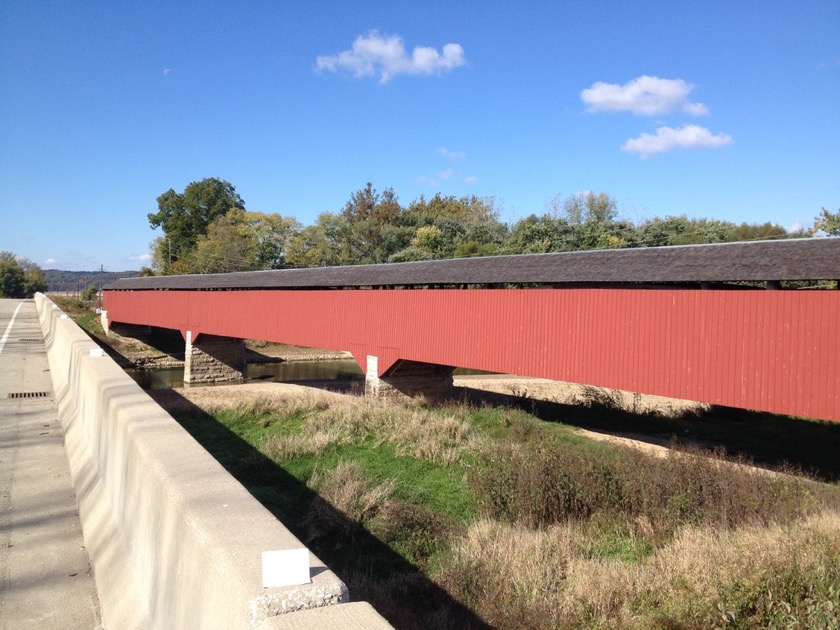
(721, 324)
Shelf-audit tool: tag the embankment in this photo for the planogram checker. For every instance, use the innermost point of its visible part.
(174, 540)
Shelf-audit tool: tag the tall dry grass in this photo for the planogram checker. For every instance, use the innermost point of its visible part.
(415, 432)
(347, 501)
(779, 576)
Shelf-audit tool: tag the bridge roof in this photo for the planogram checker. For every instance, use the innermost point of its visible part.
(795, 259)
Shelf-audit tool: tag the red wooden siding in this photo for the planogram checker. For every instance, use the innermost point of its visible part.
(768, 350)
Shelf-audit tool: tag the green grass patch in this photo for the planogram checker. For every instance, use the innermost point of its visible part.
(492, 506)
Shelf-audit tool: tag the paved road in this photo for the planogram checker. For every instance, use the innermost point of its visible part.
(45, 575)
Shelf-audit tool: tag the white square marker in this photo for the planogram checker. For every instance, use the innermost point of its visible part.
(288, 567)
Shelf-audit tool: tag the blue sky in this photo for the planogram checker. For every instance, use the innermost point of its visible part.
(727, 110)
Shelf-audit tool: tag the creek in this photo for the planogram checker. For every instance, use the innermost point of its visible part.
(284, 372)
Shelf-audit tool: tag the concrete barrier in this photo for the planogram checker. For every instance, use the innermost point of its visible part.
(174, 540)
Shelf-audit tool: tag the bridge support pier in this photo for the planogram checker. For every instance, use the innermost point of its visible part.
(408, 379)
(212, 359)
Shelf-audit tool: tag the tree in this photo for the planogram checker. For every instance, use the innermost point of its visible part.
(316, 245)
(368, 205)
(224, 247)
(552, 233)
(758, 232)
(34, 281)
(465, 226)
(681, 230)
(185, 216)
(11, 276)
(827, 222)
(366, 215)
(428, 243)
(589, 207)
(660, 232)
(20, 277)
(583, 221)
(240, 241)
(272, 233)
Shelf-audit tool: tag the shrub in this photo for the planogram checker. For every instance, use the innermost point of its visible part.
(541, 483)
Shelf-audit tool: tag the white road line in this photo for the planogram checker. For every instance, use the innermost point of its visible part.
(9, 328)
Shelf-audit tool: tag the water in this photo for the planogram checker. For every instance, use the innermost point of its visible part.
(286, 372)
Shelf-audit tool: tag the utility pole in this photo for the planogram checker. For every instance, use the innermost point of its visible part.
(101, 270)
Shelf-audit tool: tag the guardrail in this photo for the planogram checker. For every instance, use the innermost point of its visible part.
(174, 540)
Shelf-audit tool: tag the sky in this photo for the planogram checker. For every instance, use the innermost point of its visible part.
(724, 110)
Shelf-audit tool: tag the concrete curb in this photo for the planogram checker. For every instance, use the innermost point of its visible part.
(175, 541)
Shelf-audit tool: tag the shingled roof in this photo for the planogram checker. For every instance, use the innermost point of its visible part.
(761, 261)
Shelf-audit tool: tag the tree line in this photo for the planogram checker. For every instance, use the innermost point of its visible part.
(20, 277)
(207, 229)
(79, 282)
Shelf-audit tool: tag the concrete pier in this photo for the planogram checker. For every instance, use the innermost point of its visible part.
(408, 379)
(212, 359)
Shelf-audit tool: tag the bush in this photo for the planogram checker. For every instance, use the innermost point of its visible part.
(541, 483)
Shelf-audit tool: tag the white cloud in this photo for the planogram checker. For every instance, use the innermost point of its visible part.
(385, 57)
(695, 109)
(471, 180)
(434, 182)
(644, 96)
(50, 261)
(166, 72)
(453, 156)
(141, 257)
(668, 139)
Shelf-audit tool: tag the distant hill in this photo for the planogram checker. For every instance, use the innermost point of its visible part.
(77, 281)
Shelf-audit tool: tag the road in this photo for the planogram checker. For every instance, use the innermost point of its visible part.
(45, 575)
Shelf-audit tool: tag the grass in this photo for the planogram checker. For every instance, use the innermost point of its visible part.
(82, 313)
(770, 440)
(777, 577)
(465, 516)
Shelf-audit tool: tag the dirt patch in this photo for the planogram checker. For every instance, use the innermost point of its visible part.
(261, 351)
(585, 395)
(216, 397)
